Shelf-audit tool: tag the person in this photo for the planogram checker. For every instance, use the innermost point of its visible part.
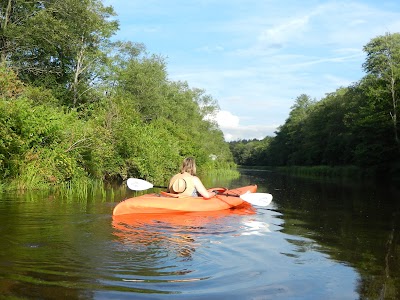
(187, 183)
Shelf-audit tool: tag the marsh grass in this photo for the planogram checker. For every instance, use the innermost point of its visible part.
(231, 173)
(29, 179)
(345, 172)
(81, 189)
(77, 190)
(85, 188)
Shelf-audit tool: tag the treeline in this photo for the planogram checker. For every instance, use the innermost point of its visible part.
(353, 126)
(76, 106)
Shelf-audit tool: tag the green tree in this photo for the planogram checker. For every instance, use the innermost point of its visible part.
(56, 43)
(383, 61)
(367, 120)
(12, 13)
(325, 135)
(84, 107)
(89, 30)
(290, 134)
(144, 80)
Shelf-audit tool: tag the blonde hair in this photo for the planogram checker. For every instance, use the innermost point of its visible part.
(189, 166)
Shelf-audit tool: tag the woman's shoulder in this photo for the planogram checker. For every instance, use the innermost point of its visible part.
(196, 179)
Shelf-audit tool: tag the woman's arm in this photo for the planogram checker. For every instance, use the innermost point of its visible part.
(201, 189)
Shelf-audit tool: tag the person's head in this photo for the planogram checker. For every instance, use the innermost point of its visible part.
(189, 166)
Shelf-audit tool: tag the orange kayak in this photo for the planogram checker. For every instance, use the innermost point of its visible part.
(172, 203)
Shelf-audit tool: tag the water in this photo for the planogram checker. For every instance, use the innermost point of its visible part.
(315, 241)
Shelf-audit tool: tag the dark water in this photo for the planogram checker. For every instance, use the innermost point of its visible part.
(317, 240)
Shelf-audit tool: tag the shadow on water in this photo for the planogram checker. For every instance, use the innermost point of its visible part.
(355, 223)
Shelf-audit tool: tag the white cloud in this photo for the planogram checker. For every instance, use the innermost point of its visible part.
(285, 31)
(249, 132)
(227, 120)
(233, 130)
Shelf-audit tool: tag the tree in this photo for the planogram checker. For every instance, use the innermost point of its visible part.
(56, 43)
(11, 12)
(291, 131)
(90, 30)
(144, 81)
(383, 61)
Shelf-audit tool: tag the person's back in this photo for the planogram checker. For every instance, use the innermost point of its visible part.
(182, 183)
(187, 183)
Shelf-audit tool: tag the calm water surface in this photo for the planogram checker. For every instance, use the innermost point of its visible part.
(317, 240)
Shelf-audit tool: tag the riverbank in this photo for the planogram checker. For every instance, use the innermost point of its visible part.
(345, 172)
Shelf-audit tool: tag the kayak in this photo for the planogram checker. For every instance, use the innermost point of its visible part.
(159, 203)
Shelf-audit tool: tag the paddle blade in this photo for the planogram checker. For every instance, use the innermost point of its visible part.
(260, 199)
(138, 184)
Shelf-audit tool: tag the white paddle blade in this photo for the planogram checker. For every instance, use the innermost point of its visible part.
(138, 184)
(260, 199)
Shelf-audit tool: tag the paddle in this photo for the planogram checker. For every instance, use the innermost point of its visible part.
(260, 199)
(140, 185)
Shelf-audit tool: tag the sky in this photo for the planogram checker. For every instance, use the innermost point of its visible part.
(255, 57)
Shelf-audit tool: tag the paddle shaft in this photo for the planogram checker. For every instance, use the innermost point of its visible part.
(160, 186)
(228, 195)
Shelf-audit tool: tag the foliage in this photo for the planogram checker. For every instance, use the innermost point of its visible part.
(57, 44)
(383, 62)
(345, 172)
(354, 126)
(75, 107)
(10, 86)
(250, 152)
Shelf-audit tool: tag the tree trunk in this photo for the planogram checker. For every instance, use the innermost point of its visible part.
(78, 71)
(3, 40)
(394, 100)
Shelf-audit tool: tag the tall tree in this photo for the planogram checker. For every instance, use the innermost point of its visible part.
(14, 32)
(383, 61)
(56, 43)
(144, 80)
(89, 30)
(292, 129)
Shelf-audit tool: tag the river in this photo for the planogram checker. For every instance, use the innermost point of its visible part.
(316, 240)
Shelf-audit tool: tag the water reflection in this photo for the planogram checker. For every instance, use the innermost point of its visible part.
(317, 240)
(175, 232)
(169, 242)
(254, 227)
(354, 223)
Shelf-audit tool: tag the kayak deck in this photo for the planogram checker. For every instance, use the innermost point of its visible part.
(169, 203)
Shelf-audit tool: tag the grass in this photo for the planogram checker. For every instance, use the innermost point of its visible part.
(75, 189)
(352, 172)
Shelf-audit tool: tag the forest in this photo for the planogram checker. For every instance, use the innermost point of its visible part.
(77, 106)
(354, 128)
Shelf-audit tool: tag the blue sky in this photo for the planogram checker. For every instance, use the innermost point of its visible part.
(255, 57)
